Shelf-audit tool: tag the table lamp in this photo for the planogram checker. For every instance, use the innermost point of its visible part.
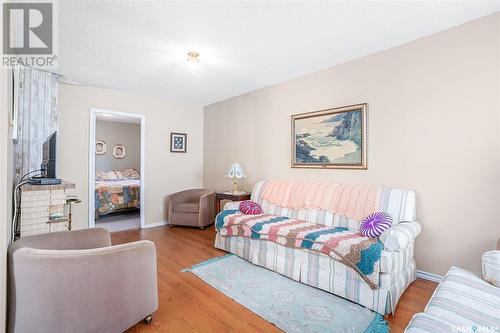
(236, 172)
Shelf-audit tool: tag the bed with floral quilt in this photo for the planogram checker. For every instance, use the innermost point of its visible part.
(117, 190)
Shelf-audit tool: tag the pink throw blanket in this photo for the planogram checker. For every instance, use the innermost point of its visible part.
(354, 201)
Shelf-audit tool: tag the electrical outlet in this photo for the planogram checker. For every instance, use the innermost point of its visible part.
(161, 208)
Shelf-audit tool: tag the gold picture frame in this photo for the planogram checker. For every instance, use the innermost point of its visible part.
(335, 138)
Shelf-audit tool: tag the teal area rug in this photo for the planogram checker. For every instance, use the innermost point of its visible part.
(292, 306)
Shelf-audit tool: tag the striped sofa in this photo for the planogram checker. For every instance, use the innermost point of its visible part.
(397, 265)
(462, 302)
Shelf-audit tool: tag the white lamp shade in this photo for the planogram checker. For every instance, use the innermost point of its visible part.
(236, 171)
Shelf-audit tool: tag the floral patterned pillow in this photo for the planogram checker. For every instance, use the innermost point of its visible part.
(127, 174)
(105, 175)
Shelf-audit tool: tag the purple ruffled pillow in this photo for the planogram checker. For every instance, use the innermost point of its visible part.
(250, 207)
(375, 224)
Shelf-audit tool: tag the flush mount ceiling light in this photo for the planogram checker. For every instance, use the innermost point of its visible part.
(193, 57)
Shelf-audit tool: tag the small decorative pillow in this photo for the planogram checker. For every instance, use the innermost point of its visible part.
(249, 207)
(375, 224)
(127, 174)
(105, 175)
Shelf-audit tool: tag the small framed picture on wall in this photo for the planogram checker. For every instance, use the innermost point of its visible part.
(119, 151)
(100, 147)
(178, 142)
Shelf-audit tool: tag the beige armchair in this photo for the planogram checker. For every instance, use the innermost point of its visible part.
(75, 281)
(193, 208)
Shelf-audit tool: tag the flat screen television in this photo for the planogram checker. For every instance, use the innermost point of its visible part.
(49, 155)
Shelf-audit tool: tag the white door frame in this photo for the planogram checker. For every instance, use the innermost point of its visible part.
(93, 118)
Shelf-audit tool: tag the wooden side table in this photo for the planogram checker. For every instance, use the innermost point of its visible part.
(229, 196)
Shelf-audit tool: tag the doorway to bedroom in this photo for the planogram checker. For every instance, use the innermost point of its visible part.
(116, 170)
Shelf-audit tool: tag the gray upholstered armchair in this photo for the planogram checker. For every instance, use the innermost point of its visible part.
(193, 208)
(75, 281)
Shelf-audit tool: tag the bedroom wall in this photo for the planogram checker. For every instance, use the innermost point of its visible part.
(165, 172)
(113, 133)
(434, 123)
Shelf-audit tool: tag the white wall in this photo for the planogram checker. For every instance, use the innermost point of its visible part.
(165, 172)
(113, 133)
(434, 127)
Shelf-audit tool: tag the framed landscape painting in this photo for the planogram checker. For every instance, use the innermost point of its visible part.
(333, 138)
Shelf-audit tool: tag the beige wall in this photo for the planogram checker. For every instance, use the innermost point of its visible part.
(433, 127)
(113, 133)
(165, 172)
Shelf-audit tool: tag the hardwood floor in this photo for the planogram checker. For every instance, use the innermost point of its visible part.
(187, 304)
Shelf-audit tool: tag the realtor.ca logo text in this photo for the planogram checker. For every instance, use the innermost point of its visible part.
(29, 35)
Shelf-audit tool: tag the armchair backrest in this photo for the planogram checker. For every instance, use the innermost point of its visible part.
(65, 240)
(192, 195)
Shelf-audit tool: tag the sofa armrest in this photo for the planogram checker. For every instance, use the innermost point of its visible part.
(232, 205)
(104, 289)
(400, 235)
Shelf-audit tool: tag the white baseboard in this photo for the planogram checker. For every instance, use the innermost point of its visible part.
(156, 224)
(429, 276)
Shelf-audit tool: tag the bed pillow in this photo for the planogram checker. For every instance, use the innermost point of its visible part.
(127, 174)
(250, 207)
(105, 175)
(99, 175)
(375, 224)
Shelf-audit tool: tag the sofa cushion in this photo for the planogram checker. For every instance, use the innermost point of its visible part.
(317, 216)
(187, 208)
